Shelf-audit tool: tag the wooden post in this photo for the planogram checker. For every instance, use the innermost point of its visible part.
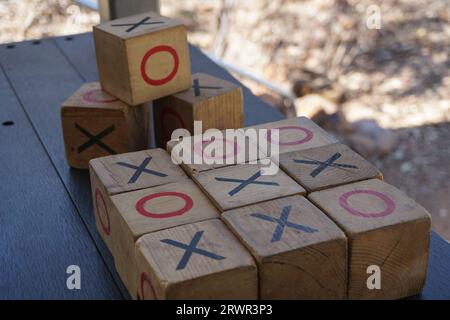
(114, 9)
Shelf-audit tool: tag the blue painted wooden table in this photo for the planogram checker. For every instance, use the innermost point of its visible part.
(46, 220)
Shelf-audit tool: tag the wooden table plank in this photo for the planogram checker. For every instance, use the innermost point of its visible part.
(437, 286)
(43, 78)
(41, 233)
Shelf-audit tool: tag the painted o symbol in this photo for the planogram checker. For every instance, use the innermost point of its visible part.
(105, 226)
(390, 205)
(198, 149)
(308, 137)
(89, 96)
(188, 204)
(170, 76)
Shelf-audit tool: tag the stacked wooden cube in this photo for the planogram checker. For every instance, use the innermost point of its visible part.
(143, 60)
(226, 231)
(310, 231)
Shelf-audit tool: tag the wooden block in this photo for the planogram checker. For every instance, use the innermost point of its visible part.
(126, 172)
(196, 261)
(96, 124)
(142, 57)
(234, 150)
(295, 134)
(215, 102)
(240, 185)
(148, 210)
(300, 252)
(328, 166)
(386, 229)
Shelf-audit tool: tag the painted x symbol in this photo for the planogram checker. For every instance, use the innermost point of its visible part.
(197, 87)
(137, 24)
(327, 163)
(283, 222)
(141, 168)
(95, 139)
(244, 183)
(190, 249)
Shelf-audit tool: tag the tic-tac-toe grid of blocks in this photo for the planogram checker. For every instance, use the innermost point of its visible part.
(143, 62)
(310, 231)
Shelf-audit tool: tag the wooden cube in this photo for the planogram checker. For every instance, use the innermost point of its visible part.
(196, 261)
(148, 210)
(142, 57)
(328, 166)
(236, 149)
(294, 134)
(385, 230)
(215, 102)
(244, 184)
(122, 173)
(96, 124)
(300, 252)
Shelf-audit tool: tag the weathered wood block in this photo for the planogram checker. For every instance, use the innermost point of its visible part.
(122, 173)
(300, 252)
(142, 57)
(215, 102)
(231, 150)
(203, 260)
(385, 230)
(148, 210)
(244, 184)
(294, 134)
(96, 124)
(328, 166)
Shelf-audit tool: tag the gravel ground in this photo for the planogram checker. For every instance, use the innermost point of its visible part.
(398, 74)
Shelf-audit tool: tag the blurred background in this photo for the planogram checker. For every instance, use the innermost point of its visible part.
(374, 73)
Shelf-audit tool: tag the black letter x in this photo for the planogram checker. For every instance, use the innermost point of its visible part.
(197, 87)
(190, 249)
(244, 183)
(283, 222)
(95, 139)
(141, 168)
(328, 163)
(137, 24)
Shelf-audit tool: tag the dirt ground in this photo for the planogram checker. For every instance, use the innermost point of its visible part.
(397, 75)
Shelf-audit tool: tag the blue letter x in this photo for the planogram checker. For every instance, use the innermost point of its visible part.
(330, 162)
(244, 183)
(190, 249)
(283, 222)
(141, 168)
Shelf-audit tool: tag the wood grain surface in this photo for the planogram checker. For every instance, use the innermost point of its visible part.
(142, 62)
(385, 228)
(293, 243)
(223, 269)
(217, 103)
(327, 166)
